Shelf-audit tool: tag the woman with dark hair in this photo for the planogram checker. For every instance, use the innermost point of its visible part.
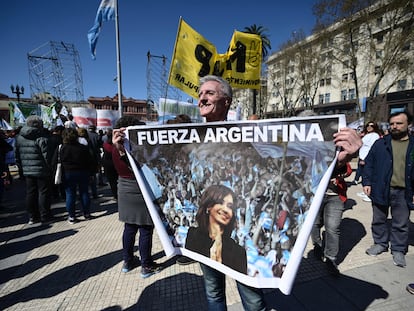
(371, 133)
(76, 162)
(216, 220)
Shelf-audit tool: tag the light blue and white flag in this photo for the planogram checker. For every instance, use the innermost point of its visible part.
(4, 125)
(18, 116)
(106, 12)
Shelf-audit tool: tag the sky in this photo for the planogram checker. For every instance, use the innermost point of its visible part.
(143, 25)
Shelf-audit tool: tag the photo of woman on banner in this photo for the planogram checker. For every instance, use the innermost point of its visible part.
(216, 220)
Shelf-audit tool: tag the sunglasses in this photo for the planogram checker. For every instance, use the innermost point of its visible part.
(370, 125)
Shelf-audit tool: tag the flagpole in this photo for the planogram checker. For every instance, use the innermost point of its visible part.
(118, 57)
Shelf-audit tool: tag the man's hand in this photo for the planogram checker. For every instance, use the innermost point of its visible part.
(367, 190)
(349, 141)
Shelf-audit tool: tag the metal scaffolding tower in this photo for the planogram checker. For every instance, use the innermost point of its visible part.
(157, 79)
(55, 68)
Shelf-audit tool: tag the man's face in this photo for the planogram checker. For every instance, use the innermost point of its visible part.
(213, 104)
(399, 126)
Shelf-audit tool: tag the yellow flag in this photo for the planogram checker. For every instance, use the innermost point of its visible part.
(192, 55)
(243, 61)
(195, 57)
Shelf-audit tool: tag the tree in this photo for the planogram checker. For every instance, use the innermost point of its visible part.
(266, 47)
(372, 39)
(295, 77)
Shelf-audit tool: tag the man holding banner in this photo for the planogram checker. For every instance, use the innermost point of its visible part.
(249, 158)
(215, 96)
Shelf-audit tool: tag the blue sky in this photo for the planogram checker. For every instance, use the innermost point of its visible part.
(144, 26)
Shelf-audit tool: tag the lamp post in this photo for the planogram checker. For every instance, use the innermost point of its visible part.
(17, 90)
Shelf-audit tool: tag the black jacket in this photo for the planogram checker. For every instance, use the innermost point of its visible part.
(233, 255)
(32, 152)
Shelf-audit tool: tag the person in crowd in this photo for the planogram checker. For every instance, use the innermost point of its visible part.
(55, 139)
(387, 179)
(371, 133)
(70, 123)
(31, 155)
(330, 217)
(5, 148)
(85, 140)
(96, 144)
(132, 209)
(76, 162)
(216, 221)
(109, 168)
(215, 97)
(11, 155)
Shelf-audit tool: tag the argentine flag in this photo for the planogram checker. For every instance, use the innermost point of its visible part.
(106, 12)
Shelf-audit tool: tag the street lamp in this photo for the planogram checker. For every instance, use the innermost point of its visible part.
(17, 90)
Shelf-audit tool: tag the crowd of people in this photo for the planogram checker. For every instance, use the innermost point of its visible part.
(35, 151)
(206, 184)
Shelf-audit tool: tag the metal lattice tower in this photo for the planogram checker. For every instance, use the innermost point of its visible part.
(55, 68)
(157, 79)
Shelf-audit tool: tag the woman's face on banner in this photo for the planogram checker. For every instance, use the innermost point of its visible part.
(222, 213)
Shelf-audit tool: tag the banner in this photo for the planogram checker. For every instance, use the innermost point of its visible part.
(261, 182)
(20, 111)
(101, 118)
(195, 57)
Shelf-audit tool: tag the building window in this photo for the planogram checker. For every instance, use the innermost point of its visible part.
(345, 64)
(320, 99)
(406, 46)
(328, 81)
(403, 64)
(379, 21)
(322, 82)
(401, 85)
(380, 39)
(328, 69)
(344, 94)
(377, 70)
(351, 93)
(378, 54)
(345, 77)
(327, 98)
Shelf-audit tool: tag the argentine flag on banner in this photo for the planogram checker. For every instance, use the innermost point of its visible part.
(106, 12)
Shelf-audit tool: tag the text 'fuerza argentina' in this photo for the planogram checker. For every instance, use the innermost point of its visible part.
(248, 134)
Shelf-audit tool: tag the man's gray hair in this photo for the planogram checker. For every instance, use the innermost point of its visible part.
(34, 121)
(225, 86)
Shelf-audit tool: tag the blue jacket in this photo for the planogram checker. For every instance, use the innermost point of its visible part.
(377, 171)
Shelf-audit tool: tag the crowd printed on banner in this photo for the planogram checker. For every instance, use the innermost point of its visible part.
(278, 186)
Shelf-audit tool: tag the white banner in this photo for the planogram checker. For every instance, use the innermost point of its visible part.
(261, 182)
(101, 118)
